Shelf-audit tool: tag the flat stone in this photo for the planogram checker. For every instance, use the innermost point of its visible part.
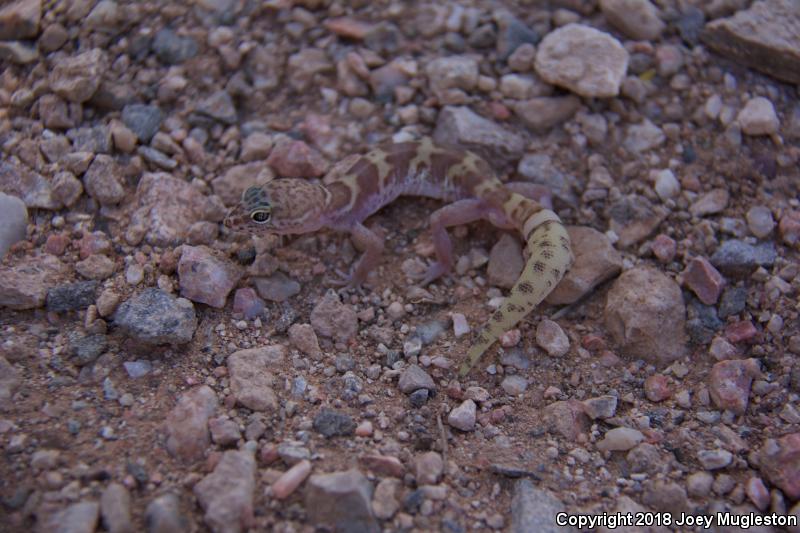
(330, 423)
(341, 501)
(205, 276)
(643, 137)
(739, 259)
(704, 280)
(729, 383)
(81, 517)
(414, 378)
(251, 377)
(25, 285)
(13, 221)
(187, 424)
(551, 338)
(544, 112)
(596, 261)
(460, 126)
(331, 318)
(226, 494)
(533, 509)
(633, 218)
(620, 439)
(156, 317)
(584, 60)
(29, 186)
(764, 37)
(276, 288)
(220, 107)
(285, 485)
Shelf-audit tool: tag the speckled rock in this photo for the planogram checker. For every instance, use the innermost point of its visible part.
(331, 318)
(81, 517)
(533, 509)
(226, 494)
(582, 59)
(596, 260)
(20, 19)
(729, 383)
(330, 423)
(739, 259)
(779, 462)
(76, 78)
(620, 439)
(103, 181)
(205, 277)
(645, 315)
(251, 377)
(341, 501)
(637, 19)
(187, 423)
(29, 186)
(156, 317)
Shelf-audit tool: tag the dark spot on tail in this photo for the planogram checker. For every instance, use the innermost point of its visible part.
(539, 267)
(557, 273)
(497, 316)
(547, 254)
(525, 287)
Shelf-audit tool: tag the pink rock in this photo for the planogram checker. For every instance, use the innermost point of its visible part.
(593, 342)
(331, 318)
(779, 462)
(224, 431)
(567, 418)
(206, 278)
(757, 492)
(789, 227)
(729, 383)
(510, 338)
(387, 465)
(302, 337)
(742, 331)
(248, 303)
(95, 267)
(721, 349)
(364, 429)
(704, 280)
(56, 244)
(291, 479)
(295, 159)
(92, 243)
(552, 338)
(226, 494)
(348, 27)
(656, 388)
(187, 424)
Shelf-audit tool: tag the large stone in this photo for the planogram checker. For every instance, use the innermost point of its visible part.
(460, 126)
(646, 316)
(764, 37)
(534, 509)
(582, 59)
(596, 260)
(29, 186)
(331, 318)
(341, 501)
(226, 494)
(156, 317)
(20, 20)
(79, 517)
(779, 462)
(637, 19)
(187, 424)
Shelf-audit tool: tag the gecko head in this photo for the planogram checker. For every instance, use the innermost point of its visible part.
(280, 206)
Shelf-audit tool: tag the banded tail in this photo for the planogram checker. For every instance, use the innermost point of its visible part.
(550, 257)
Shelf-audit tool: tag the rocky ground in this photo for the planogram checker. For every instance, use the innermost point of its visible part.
(160, 374)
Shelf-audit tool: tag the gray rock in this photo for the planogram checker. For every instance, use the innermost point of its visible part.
(163, 515)
(219, 106)
(539, 169)
(71, 296)
(414, 378)
(187, 423)
(534, 509)
(115, 509)
(330, 423)
(79, 517)
(9, 380)
(544, 112)
(25, 286)
(733, 301)
(463, 417)
(341, 501)
(143, 120)
(645, 315)
(690, 23)
(460, 126)
(18, 52)
(13, 221)
(226, 494)
(739, 259)
(634, 218)
(86, 349)
(512, 34)
(276, 288)
(157, 158)
(29, 186)
(172, 49)
(637, 19)
(156, 317)
(514, 385)
(764, 37)
(96, 140)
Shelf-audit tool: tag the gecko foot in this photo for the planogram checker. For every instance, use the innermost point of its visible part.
(434, 272)
(344, 282)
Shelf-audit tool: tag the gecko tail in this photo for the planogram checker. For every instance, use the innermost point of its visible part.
(550, 257)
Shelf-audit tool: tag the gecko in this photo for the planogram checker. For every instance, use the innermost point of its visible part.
(360, 185)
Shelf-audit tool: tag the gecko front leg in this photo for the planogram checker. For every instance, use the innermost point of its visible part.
(455, 214)
(371, 244)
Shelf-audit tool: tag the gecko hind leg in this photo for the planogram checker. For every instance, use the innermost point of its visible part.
(455, 214)
(371, 244)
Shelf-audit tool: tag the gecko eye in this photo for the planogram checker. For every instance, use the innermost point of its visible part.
(260, 216)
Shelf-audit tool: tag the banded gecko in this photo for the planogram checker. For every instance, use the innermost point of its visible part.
(361, 185)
